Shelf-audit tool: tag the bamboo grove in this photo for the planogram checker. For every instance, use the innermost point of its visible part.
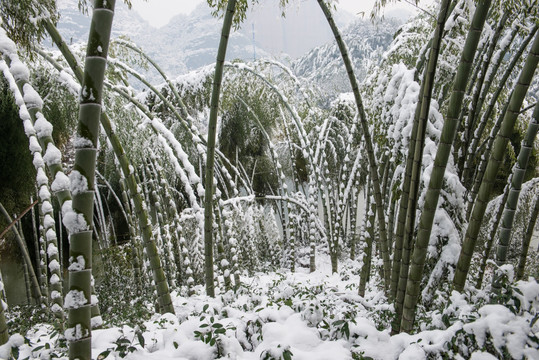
(242, 167)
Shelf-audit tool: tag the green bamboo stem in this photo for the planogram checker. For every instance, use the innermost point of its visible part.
(210, 155)
(496, 157)
(59, 186)
(519, 171)
(78, 299)
(473, 148)
(373, 168)
(490, 238)
(368, 236)
(140, 209)
(477, 87)
(137, 267)
(4, 335)
(27, 284)
(35, 290)
(440, 163)
(414, 161)
(36, 236)
(526, 241)
(223, 262)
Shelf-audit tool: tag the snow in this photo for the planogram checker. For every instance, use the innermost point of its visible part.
(52, 155)
(31, 97)
(96, 322)
(52, 250)
(44, 193)
(74, 299)
(76, 333)
(78, 183)
(6, 45)
(15, 340)
(77, 264)
(28, 127)
(50, 235)
(80, 142)
(504, 327)
(66, 79)
(38, 161)
(42, 179)
(19, 70)
(34, 145)
(55, 279)
(42, 126)
(60, 183)
(413, 352)
(46, 208)
(54, 265)
(73, 221)
(480, 355)
(55, 308)
(284, 311)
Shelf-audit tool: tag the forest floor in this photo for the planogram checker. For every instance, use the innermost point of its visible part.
(310, 316)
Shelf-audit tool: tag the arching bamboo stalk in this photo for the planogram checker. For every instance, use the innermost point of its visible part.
(373, 168)
(163, 293)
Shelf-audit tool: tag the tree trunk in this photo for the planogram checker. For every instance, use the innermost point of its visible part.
(519, 171)
(373, 168)
(490, 238)
(34, 284)
(163, 294)
(79, 219)
(367, 235)
(496, 157)
(477, 88)
(440, 163)
(473, 148)
(210, 155)
(526, 240)
(4, 335)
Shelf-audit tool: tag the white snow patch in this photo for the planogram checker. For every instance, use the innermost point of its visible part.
(79, 183)
(75, 299)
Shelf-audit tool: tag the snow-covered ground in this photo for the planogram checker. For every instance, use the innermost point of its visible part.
(302, 316)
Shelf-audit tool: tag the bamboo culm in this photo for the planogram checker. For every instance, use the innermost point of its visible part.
(447, 138)
(476, 217)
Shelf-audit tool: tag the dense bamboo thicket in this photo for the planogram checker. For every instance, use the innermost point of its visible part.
(202, 181)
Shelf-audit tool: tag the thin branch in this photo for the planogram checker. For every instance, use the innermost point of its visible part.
(18, 218)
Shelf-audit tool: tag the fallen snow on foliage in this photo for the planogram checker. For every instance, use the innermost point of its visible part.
(302, 316)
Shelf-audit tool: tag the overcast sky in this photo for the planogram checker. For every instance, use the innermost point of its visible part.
(159, 12)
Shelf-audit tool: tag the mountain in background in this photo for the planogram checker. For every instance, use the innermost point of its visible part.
(366, 43)
(190, 41)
